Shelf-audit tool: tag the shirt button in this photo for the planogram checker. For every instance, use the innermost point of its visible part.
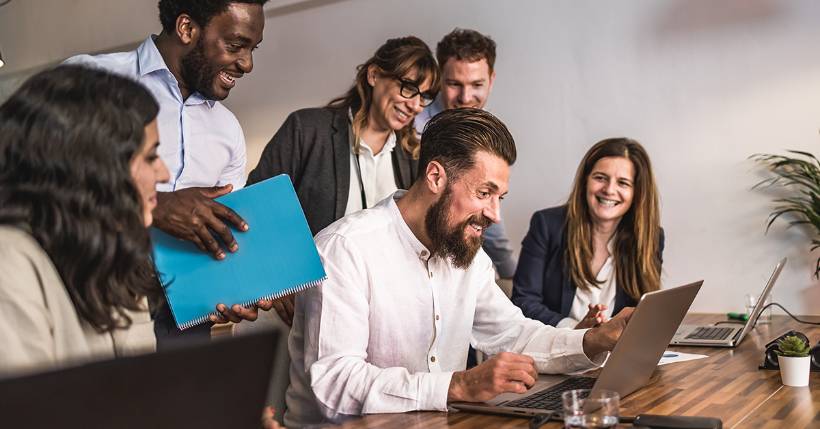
(436, 316)
(432, 358)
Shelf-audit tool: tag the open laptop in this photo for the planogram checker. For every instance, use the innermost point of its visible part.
(726, 336)
(629, 367)
(218, 384)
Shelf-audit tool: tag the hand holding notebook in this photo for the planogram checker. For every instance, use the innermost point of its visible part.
(276, 258)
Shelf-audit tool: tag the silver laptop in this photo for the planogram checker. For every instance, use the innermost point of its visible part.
(722, 335)
(629, 367)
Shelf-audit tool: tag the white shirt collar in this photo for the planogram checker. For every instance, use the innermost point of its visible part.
(407, 234)
(389, 145)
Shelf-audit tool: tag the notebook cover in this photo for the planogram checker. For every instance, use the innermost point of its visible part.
(276, 256)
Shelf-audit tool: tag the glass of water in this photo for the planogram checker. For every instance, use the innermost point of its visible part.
(766, 315)
(584, 408)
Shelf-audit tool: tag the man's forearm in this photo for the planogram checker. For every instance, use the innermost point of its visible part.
(370, 389)
(591, 349)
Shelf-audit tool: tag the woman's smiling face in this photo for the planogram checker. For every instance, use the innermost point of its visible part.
(391, 110)
(610, 188)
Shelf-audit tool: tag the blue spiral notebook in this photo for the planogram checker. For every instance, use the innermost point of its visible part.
(276, 256)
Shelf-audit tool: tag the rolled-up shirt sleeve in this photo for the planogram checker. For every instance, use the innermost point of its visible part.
(342, 380)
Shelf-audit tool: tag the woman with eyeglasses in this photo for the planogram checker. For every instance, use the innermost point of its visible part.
(585, 261)
(361, 147)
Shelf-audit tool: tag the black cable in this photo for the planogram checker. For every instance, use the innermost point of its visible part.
(787, 312)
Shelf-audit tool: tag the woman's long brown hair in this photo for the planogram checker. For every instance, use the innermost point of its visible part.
(395, 58)
(636, 247)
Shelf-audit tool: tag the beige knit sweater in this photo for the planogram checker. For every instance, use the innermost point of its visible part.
(39, 328)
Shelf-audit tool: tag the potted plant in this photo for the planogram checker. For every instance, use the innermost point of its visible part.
(793, 359)
(801, 173)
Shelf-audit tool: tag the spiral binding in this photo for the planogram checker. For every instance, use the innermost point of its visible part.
(247, 304)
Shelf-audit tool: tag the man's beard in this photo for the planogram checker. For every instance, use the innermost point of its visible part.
(451, 243)
(198, 73)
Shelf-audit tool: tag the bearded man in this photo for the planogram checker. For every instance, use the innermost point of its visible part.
(467, 62)
(205, 46)
(409, 288)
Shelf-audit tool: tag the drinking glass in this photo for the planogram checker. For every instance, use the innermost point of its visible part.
(766, 315)
(584, 408)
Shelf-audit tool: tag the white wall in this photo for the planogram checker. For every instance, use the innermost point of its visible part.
(701, 84)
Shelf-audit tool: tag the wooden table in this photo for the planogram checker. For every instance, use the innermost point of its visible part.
(726, 385)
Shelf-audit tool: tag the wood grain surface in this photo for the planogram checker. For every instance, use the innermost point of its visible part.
(727, 385)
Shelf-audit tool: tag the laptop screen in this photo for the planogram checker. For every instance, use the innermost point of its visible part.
(762, 299)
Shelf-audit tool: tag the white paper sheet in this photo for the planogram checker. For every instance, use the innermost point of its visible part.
(671, 356)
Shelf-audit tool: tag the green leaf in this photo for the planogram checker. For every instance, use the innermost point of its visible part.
(792, 346)
(801, 174)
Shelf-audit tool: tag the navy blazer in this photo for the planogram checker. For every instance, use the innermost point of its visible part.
(542, 286)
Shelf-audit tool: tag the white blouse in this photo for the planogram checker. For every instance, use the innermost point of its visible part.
(376, 175)
(601, 293)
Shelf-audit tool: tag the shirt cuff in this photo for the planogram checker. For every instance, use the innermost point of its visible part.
(567, 322)
(433, 391)
(575, 349)
(570, 347)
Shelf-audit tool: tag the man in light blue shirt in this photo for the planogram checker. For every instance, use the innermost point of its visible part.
(201, 141)
(194, 63)
(466, 59)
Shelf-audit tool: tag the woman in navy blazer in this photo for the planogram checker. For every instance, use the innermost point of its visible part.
(612, 212)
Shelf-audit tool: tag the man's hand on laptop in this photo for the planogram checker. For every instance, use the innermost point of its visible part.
(192, 214)
(502, 373)
(604, 337)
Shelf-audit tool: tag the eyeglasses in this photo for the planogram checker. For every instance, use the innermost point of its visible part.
(410, 90)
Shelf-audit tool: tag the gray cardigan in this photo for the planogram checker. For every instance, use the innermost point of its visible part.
(313, 147)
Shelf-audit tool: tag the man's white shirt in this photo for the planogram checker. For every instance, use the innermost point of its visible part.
(390, 325)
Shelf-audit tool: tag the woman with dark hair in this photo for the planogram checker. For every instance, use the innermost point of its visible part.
(361, 147)
(78, 169)
(583, 262)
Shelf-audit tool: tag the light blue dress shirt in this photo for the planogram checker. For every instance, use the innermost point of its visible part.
(496, 243)
(424, 117)
(201, 141)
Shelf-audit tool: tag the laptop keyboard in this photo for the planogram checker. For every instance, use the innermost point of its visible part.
(550, 398)
(710, 333)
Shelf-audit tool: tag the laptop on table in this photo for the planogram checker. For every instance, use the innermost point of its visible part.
(629, 367)
(726, 336)
(221, 384)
